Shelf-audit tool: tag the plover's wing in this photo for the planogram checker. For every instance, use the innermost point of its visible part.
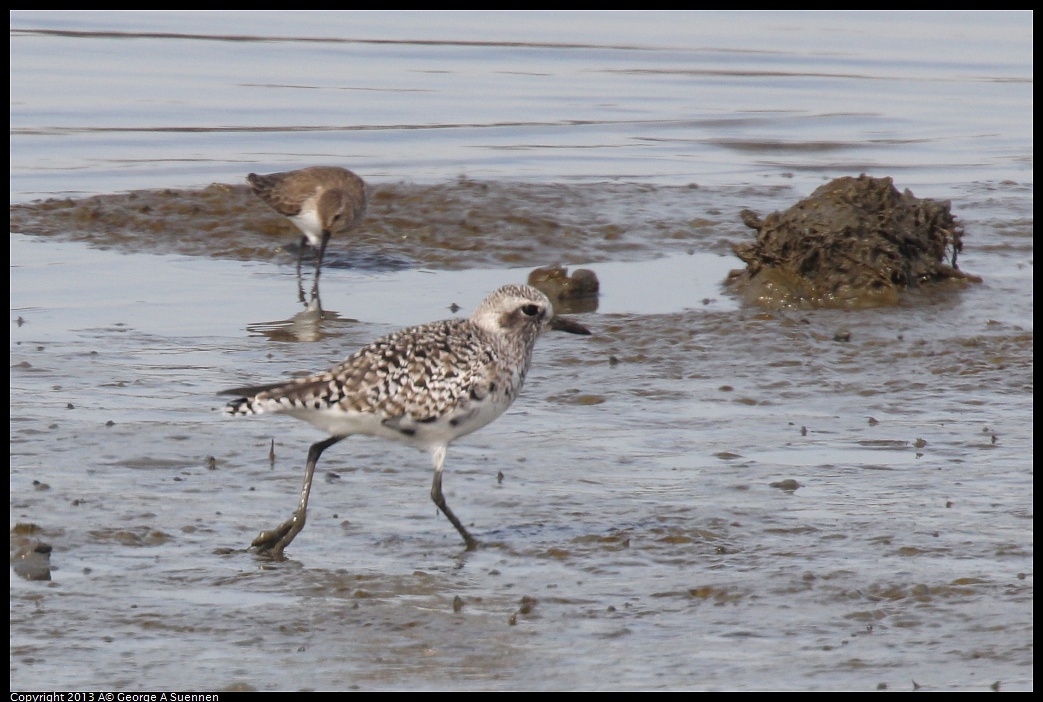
(422, 373)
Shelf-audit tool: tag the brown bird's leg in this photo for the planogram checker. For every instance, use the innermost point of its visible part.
(300, 254)
(322, 252)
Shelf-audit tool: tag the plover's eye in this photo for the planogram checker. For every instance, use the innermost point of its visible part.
(531, 310)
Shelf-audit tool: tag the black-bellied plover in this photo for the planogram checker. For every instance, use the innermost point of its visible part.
(423, 386)
(320, 201)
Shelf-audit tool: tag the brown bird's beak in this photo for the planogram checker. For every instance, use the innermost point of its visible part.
(568, 325)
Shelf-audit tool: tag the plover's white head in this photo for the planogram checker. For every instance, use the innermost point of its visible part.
(514, 310)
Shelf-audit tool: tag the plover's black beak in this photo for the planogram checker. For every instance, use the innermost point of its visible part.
(567, 325)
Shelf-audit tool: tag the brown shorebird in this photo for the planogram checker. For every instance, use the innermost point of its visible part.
(320, 201)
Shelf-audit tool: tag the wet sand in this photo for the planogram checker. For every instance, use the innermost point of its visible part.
(708, 496)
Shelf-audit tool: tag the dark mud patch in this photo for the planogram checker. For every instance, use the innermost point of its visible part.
(448, 226)
(854, 243)
(30, 556)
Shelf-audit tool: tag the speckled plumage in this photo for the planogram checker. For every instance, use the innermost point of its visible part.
(423, 386)
(319, 200)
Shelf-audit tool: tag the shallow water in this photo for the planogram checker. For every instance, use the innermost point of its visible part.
(698, 496)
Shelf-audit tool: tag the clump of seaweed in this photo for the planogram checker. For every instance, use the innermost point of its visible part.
(855, 242)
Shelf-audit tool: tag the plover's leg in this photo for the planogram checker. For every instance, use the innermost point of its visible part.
(273, 542)
(438, 456)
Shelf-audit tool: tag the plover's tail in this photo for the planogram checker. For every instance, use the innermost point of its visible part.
(249, 401)
(315, 393)
(239, 408)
